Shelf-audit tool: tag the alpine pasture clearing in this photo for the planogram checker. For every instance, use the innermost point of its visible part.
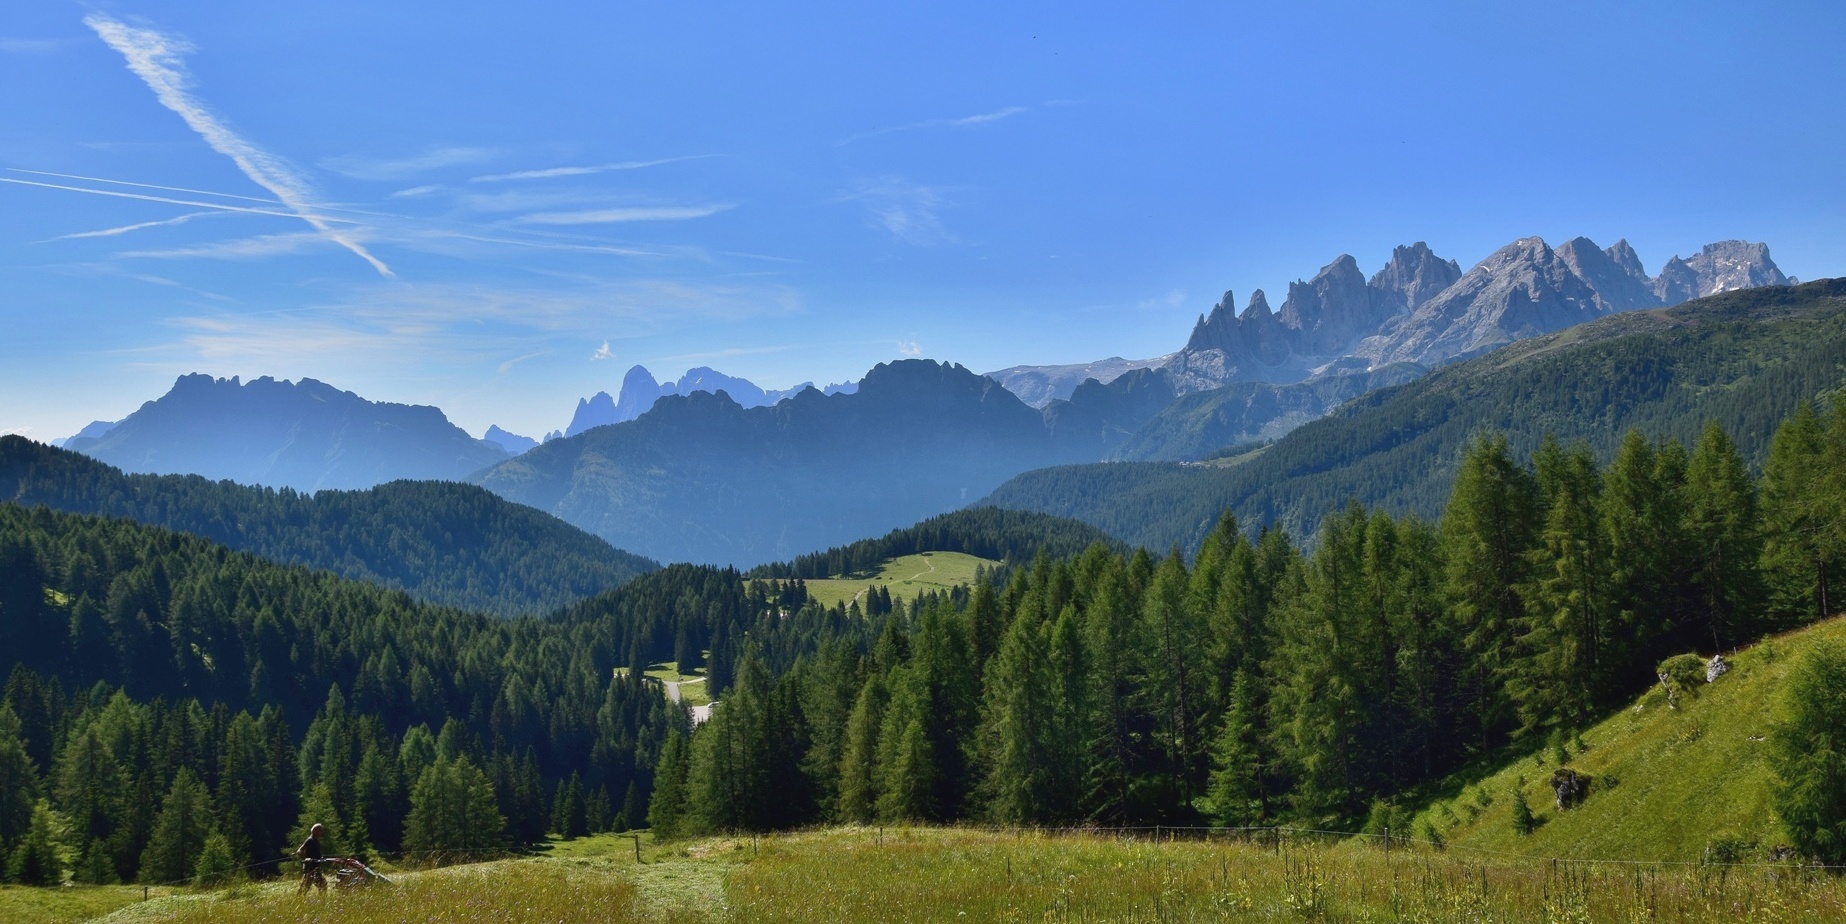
(906, 577)
(852, 875)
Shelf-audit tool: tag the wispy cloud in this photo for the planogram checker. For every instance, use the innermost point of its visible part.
(374, 168)
(158, 59)
(124, 229)
(98, 179)
(985, 118)
(610, 216)
(414, 192)
(218, 206)
(907, 210)
(602, 352)
(554, 172)
(909, 348)
(31, 46)
(249, 248)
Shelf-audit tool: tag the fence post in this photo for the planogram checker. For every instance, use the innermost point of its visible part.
(1387, 842)
(637, 838)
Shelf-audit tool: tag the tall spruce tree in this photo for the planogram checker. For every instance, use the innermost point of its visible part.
(1488, 531)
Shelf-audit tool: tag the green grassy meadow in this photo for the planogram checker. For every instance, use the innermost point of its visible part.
(1666, 784)
(691, 685)
(907, 577)
(853, 875)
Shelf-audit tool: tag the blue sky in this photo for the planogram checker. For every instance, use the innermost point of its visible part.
(498, 208)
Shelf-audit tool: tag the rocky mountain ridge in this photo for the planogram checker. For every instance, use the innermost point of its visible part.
(305, 435)
(639, 391)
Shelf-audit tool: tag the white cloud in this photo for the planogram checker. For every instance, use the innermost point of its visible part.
(610, 216)
(266, 245)
(360, 167)
(985, 118)
(554, 172)
(158, 59)
(124, 229)
(167, 199)
(907, 210)
(413, 192)
(602, 352)
(909, 348)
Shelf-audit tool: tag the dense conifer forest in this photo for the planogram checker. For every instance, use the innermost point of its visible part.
(175, 708)
(441, 542)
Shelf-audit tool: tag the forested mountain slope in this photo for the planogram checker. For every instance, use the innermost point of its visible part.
(1742, 358)
(441, 542)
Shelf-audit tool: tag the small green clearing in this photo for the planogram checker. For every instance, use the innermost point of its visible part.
(906, 577)
(691, 684)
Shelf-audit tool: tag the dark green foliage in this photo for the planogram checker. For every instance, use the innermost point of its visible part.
(1809, 756)
(33, 860)
(180, 831)
(1523, 820)
(438, 541)
(452, 813)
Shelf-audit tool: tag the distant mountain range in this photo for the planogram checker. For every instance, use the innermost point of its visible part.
(712, 468)
(1419, 308)
(305, 435)
(1743, 358)
(639, 391)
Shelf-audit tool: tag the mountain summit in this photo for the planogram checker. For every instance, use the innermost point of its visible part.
(305, 435)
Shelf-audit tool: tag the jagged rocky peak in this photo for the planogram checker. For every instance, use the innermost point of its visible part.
(1624, 257)
(1615, 275)
(1728, 265)
(1414, 276)
(1216, 330)
(1258, 306)
(1333, 309)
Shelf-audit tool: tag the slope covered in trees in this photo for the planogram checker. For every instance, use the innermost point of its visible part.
(441, 542)
(1259, 683)
(150, 673)
(1744, 358)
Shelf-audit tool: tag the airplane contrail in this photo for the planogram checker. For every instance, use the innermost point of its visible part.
(157, 60)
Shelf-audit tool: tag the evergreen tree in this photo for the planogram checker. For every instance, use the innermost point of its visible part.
(1725, 538)
(1017, 741)
(18, 783)
(1804, 513)
(1488, 529)
(1236, 794)
(453, 814)
(858, 799)
(217, 863)
(666, 810)
(1808, 754)
(33, 861)
(1558, 674)
(179, 832)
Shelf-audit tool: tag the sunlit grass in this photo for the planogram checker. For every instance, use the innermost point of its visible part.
(1666, 784)
(27, 905)
(510, 891)
(933, 875)
(906, 577)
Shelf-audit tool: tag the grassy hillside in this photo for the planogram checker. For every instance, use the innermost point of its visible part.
(906, 577)
(1743, 358)
(856, 875)
(441, 542)
(1666, 783)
